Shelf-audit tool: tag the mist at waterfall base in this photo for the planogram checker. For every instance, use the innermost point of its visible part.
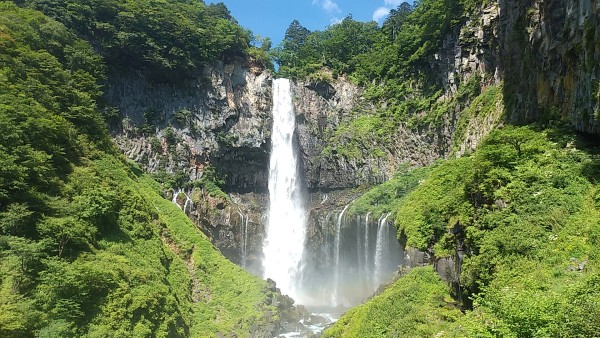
(349, 259)
(345, 259)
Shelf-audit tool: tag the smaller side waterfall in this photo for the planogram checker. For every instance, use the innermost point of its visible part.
(336, 256)
(368, 278)
(353, 257)
(359, 245)
(243, 230)
(188, 205)
(381, 248)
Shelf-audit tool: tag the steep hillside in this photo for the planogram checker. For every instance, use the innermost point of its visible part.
(439, 76)
(88, 245)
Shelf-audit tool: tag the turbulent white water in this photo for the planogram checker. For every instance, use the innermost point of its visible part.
(286, 225)
(347, 257)
(336, 257)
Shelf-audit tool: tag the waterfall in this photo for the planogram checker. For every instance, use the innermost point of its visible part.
(245, 255)
(286, 225)
(336, 255)
(243, 237)
(188, 202)
(367, 270)
(326, 240)
(381, 246)
(188, 205)
(360, 254)
(175, 194)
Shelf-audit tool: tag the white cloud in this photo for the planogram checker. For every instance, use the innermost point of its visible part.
(394, 3)
(328, 5)
(331, 6)
(380, 13)
(334, 20)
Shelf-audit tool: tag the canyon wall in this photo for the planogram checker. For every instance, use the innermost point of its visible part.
(542, 57)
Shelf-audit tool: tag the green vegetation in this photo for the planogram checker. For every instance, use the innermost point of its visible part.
(387, 196)
(167, 39)
(337, 48)
(418, 305)
(88, 247)
(225, 298)
(525, 209)
(396, 65)
(489, 102)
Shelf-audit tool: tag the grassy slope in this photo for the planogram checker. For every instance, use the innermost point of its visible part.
(419, 305)
(228, 297)
(215, 295)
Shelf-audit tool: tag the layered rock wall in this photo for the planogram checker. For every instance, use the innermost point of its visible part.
(550, 52)
(323, 107)
(220, 118)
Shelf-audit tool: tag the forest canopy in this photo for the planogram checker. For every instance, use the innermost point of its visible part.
(167, 38)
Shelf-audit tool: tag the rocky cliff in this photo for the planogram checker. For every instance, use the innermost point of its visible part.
(322, 108)
(220, 118)
(550, 53)
(217, 123)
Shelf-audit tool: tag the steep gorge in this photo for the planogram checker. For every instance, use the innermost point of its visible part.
(206, 138)
(221, 119)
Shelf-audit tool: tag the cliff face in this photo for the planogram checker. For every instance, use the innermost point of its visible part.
(550, 53)
(221, 118)
(219, 122)
(322, 108)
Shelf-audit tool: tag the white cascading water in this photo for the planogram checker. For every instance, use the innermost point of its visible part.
(366, 250)
(336, 257)
(286, 225)
(381, 246)
(244, 237)
(359, 258)
(188, 205)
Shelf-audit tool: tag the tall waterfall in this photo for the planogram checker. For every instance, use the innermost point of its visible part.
(286, 224)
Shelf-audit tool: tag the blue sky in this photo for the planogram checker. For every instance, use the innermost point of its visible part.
(272, 17)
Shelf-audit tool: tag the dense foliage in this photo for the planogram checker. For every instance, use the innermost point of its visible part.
(386, 197)
(419, 305)
(88, 247)
(524, 210)
(167, 39)
(397, 51)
